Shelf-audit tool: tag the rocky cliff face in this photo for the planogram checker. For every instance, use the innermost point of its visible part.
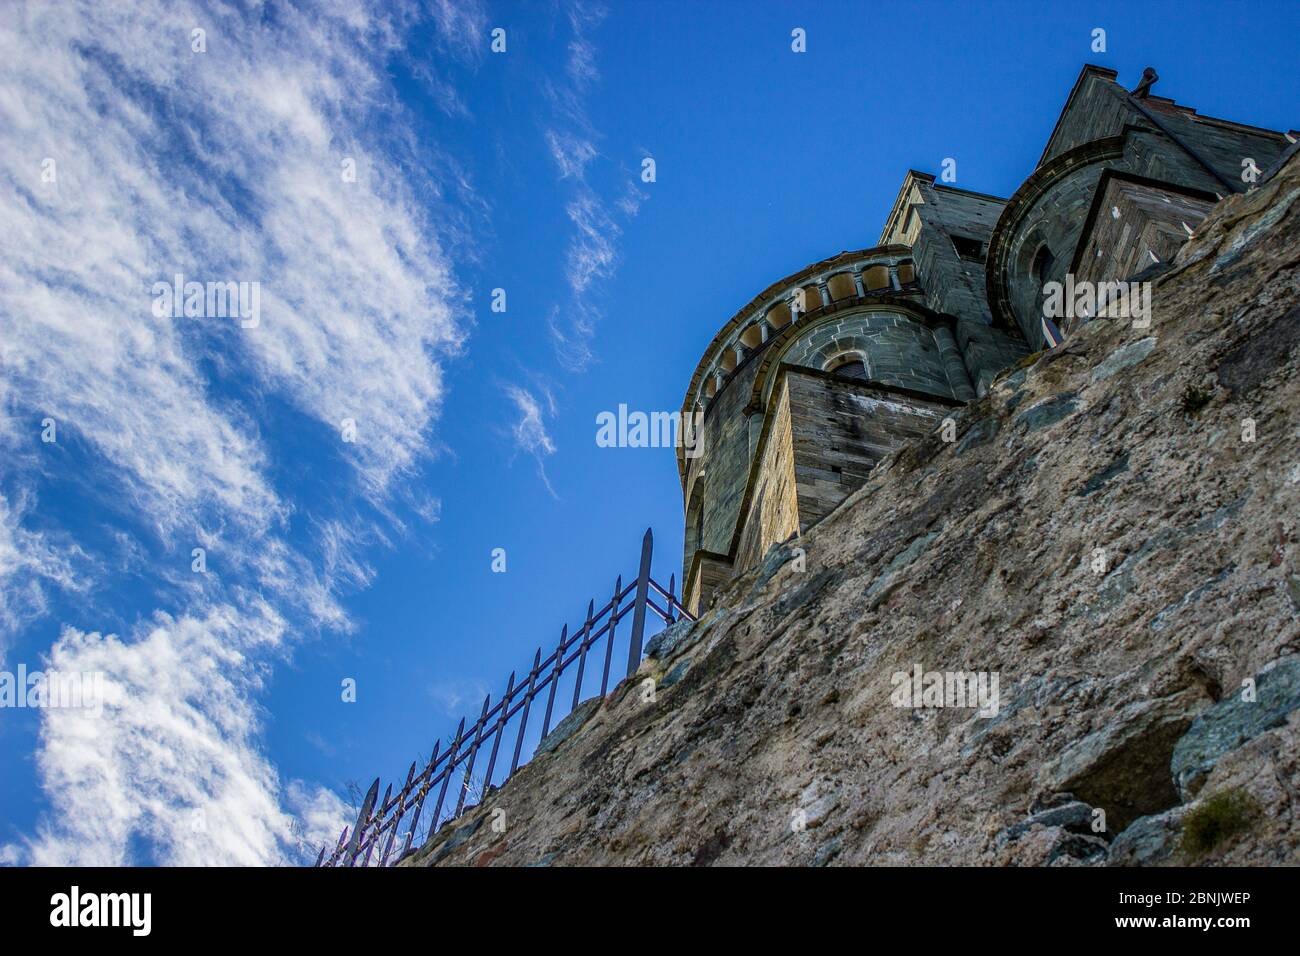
(1110, 535)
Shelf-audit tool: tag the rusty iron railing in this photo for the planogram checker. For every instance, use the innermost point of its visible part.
(372, 839)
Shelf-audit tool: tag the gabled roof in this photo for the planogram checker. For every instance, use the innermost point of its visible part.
(900, 201)
(1089, 71)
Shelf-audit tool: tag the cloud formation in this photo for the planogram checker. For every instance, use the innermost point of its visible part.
(592, 252)
(28, 565)
(133, 149)
(529, 432)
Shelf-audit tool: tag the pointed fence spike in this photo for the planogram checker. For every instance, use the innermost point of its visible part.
(397, 819)
(555, 680)
(424, 792)
(523, 718)
(338, 848)
(582, 653)
(446, 777)
(613, 623)
(498, 732)
(362, 819)
(335, 857)
(473, 754)
(379, 826)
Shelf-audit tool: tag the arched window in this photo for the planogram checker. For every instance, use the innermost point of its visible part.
(850, 366)
(1043, 262)
(856, 370)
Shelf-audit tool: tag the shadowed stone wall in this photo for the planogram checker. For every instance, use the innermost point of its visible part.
(928, 216)
(1038, 237)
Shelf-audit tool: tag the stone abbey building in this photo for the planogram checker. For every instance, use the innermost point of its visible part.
(827, 370)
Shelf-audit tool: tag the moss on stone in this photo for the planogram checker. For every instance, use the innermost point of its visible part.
(1194, 399)
(1221, 816)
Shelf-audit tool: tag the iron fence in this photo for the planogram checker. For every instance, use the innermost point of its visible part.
(373, 838)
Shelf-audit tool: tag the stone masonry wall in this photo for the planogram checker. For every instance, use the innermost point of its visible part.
(725, 460)
(1139, 226)
(899, 350)
(840, 430)
(773, 513)
(953, 285)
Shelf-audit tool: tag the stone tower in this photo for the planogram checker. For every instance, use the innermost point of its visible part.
(827, 370)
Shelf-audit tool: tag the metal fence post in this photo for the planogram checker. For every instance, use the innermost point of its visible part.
(582, 653)
(613, 625)
(424, 792)
(367, 837)
(638, 613)
(379, 827)
(523, 718)
(354, 845)
(473, 755)
(447, 771)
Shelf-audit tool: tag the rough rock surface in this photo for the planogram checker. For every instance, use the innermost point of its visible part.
(1101, 537)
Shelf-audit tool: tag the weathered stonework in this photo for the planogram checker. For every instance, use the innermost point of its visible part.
(1047, 227)
(1114, 551)
(953, 295)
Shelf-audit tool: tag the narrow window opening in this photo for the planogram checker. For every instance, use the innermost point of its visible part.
(855, 370)
(968, 248)
(1043, 262)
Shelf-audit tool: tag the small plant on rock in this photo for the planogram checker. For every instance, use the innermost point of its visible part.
(1194, 399)
(1221, 816)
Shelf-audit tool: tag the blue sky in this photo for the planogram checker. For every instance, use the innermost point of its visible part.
(371, 559)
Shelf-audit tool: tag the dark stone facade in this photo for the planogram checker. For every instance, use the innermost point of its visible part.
(827, 370)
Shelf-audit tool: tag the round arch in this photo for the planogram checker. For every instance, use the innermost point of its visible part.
(820, 340)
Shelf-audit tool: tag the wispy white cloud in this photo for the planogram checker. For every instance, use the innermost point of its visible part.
(529, 432)
(29, 564)
(455, 699)
(592, 253)
(173, 759)
(222, 165)
(629, 204)
(461, 27)
(583, 16)
(570, 153)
